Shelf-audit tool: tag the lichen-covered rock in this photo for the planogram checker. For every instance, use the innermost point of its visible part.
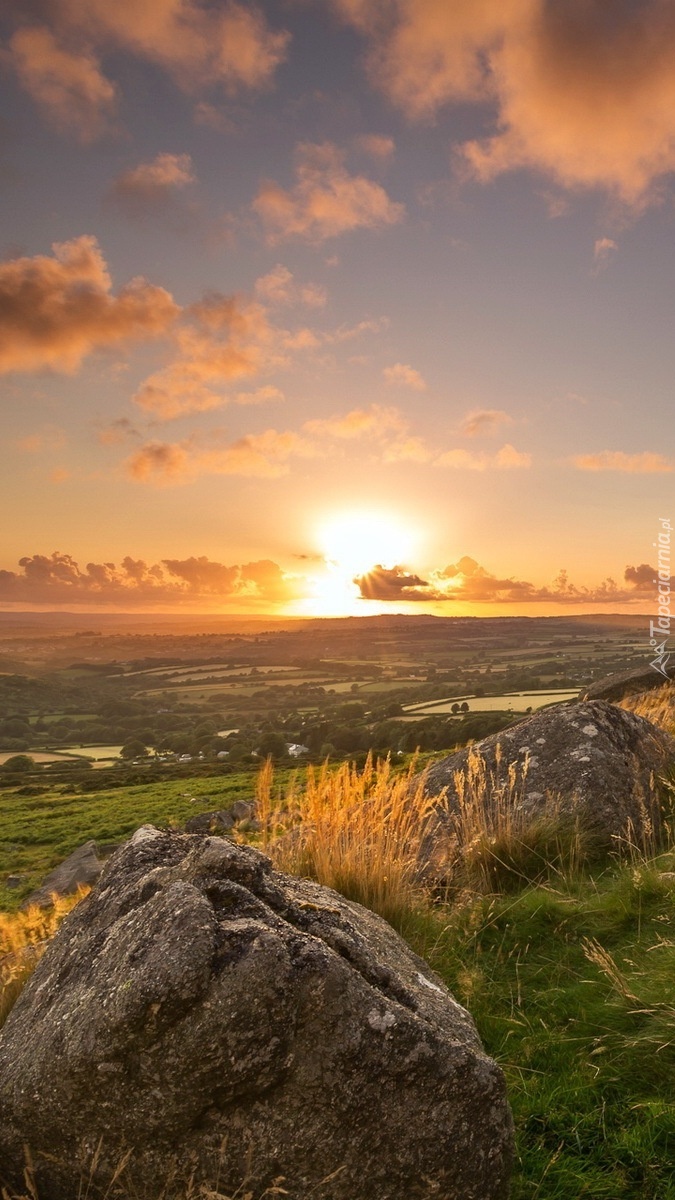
(201, 1007)
(627, 683)
(590, 761)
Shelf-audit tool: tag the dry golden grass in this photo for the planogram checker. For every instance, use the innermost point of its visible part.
(24, 937)
(657, 706)
(359, 832)
(375, 836)
(121, 1183)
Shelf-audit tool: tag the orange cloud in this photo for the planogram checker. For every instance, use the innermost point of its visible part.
(279, 288)
(58, 579)
(483, 422)
(119, 431)
(506, 458)
(326, 200)
(406, 449)
(55, 311)
(646, 463)
(68, 86)
(511, 459)
(230, 45)
(467, 582)
(150, 185)
(221, 339)
(168, 462)
(463, 460)
(45, 440)
(584, 92)
(227, 338)
(602, 249)
(403, 375)
(375, 144)
(374, 420)
(262, 395)
(264, 455)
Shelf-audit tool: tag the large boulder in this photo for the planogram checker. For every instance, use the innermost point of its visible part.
(627, 683)
(589, 763)
(200, 1008)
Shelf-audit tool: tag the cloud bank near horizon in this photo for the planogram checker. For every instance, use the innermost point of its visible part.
(58, 579)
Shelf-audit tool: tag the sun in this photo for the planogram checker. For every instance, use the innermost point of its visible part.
(355, 542)
(351, 544)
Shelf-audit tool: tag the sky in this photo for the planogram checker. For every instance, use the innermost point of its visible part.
(337, 307)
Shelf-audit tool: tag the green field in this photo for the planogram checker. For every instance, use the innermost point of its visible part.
(38, 832)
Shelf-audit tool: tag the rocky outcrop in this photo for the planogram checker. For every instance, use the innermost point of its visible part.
(627, 683)
(592, 762)
(199, 1005)
(80, 869)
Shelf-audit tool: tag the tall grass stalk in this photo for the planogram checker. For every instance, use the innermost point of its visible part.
(657, 706)
(495, 840)
(358, 831)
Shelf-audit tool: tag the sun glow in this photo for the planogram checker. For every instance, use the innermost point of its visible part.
(352, 544)
(356, 542)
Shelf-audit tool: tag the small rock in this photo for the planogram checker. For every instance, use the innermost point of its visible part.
(219, 821)
(242, 810)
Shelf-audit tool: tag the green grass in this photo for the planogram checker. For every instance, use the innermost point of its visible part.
(38, 832)
(586, 1036)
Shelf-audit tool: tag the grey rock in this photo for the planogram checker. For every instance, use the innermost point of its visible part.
(242, 810)
(80, 869)
(15, 881)
(219, 821)
(197, 998)
(626, 683)
(594, 763)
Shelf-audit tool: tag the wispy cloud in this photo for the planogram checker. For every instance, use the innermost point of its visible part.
(403, 375)
(230, 45)
(377, 145)
(506, 458)
(45, 440)
(150, 186)
(264, 455)
(326, 200)
(67, 85)
(484, 422)
(279, 287)
(646, 463)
